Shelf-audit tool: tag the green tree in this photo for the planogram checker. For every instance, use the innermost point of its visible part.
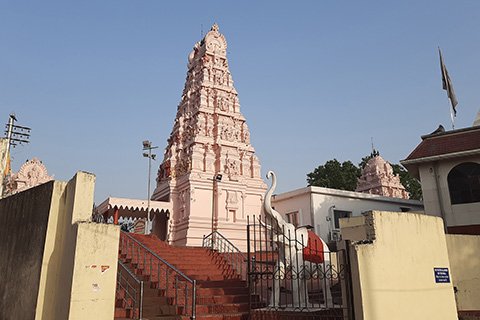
(127, 226)
(334, 174)
(344, 176)
(411, 184)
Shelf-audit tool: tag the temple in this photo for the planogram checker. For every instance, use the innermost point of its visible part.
(31, 174)
(209, 173)
(378, 178)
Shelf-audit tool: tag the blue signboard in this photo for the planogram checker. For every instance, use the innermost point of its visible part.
(441, 275)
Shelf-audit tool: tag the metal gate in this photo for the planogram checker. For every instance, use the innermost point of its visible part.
(290, 283)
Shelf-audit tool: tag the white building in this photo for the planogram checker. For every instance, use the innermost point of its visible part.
(321, 208)
(448, 165)
(378, 188)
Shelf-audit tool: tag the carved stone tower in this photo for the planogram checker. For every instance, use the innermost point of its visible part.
(209, 137)
(378, 178)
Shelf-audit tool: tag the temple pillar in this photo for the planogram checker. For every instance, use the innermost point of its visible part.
(116, 216)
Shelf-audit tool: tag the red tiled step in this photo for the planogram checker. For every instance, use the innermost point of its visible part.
(224, 316)
(211, 299)
(222, 284)
(221, 294)
(222, 308)
(155, 310)
(205, 277)
(219, 291)
(176, 317)
(123, 313)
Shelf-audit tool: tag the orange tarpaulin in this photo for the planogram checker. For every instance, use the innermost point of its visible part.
(313, 252)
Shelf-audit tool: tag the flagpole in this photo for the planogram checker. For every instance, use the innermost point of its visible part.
(447, 85)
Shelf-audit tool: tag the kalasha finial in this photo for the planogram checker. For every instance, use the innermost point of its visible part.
(214, 28)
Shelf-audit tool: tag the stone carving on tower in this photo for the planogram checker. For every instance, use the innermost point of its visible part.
(378, 178)
(31, 174)
(209, 137)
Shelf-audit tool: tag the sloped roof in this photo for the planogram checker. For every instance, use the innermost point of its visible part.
(450, 144)
(446, 143)
(134, 208)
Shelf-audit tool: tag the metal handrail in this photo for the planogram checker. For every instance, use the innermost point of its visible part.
(132, 293)
(234, 257)
(176, 285)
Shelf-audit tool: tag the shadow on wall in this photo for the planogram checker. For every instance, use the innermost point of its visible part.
(464, 255)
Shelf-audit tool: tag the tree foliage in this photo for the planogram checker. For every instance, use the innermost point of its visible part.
(411, 184)
(127, 226)
(334, 174)
(344, 176)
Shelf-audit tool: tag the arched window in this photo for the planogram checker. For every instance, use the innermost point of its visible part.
(464, 183)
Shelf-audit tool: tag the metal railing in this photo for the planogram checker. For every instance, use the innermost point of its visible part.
(96, 216)
(289, 272)
(178, 287)
(228, 251)
(130, 290)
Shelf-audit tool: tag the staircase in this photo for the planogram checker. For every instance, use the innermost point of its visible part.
(221, 294)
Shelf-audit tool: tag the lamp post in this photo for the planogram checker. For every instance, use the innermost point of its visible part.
(147, 145)
(216, 178)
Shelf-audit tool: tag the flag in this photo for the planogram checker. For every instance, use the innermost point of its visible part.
(8, 168)
(447, 83)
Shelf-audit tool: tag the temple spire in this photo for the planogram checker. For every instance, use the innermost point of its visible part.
(378, 178)
(209, 137)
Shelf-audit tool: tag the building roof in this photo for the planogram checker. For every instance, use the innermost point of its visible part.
(132, 208)
(343, 194)
(444, 145)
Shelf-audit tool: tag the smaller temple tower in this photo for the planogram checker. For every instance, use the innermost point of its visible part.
(209, 173)
(378, 178)
(31, 174)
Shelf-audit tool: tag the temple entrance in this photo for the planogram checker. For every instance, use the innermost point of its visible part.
(116, 210)
(159, 225)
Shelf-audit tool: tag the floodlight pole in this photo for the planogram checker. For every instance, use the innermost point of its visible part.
(213, 210)
(216, 178)
(149, 183)
(147, 145)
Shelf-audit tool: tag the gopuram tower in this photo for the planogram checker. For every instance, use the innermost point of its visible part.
(378, 178)
(209, 138)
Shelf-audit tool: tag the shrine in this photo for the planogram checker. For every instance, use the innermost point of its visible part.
(31, 174)
(210, 172)
(378, 178)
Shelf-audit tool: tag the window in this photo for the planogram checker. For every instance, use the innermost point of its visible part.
(464, 183)
(338, 214)
(292, 218)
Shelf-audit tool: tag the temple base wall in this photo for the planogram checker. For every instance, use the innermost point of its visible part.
(193, 209)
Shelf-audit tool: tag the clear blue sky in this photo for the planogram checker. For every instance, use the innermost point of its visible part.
(316, 79)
